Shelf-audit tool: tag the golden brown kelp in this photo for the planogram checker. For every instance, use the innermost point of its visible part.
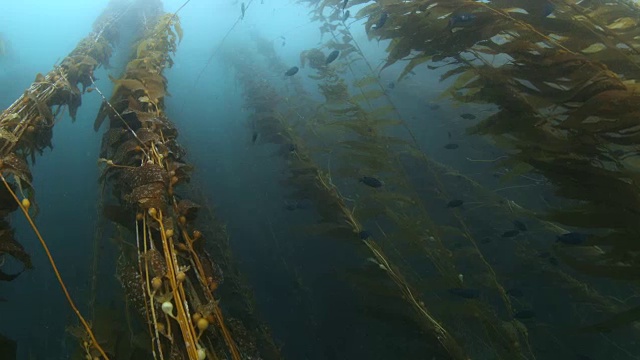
(310, 182)
(170, 277)
(365, 149)
(563, 74)
(26, 129)
(360, 140)
(524, 250)
(26, 126)
(566, 88)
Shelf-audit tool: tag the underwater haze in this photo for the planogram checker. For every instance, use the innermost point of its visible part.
(320, 179)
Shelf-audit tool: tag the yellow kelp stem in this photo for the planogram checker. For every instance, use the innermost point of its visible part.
(144, 166)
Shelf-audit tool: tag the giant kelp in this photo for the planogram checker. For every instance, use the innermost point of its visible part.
(170, 267)
(26, 126)
(375, 156)
(310, 182)
(564, 75)
(26, 129)
(366, 147)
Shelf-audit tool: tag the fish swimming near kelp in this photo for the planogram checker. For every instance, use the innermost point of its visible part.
(381, 21)
(461, 20)
(371, 181)
(334, 55)
(346, 15)
(294, 70)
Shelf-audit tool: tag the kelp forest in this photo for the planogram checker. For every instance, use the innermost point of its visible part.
(424, 179)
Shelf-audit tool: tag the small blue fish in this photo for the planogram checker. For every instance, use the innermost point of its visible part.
(371, 181)
(334, 55)
(364, 235)
(381, 21)
(294, 70)
(548, 9)
(461, 20)
(454, 203)
(573, 238)
(451, 146)
(465, 293)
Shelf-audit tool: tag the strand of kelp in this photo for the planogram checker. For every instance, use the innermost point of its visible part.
(365, 144)
(554, 272)
(610, 305)
(314, 184)
(574, 285)
(170, 279)
(384, 203)
(346, 48)
(346, 112)
(557, 134)
(26, 128)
